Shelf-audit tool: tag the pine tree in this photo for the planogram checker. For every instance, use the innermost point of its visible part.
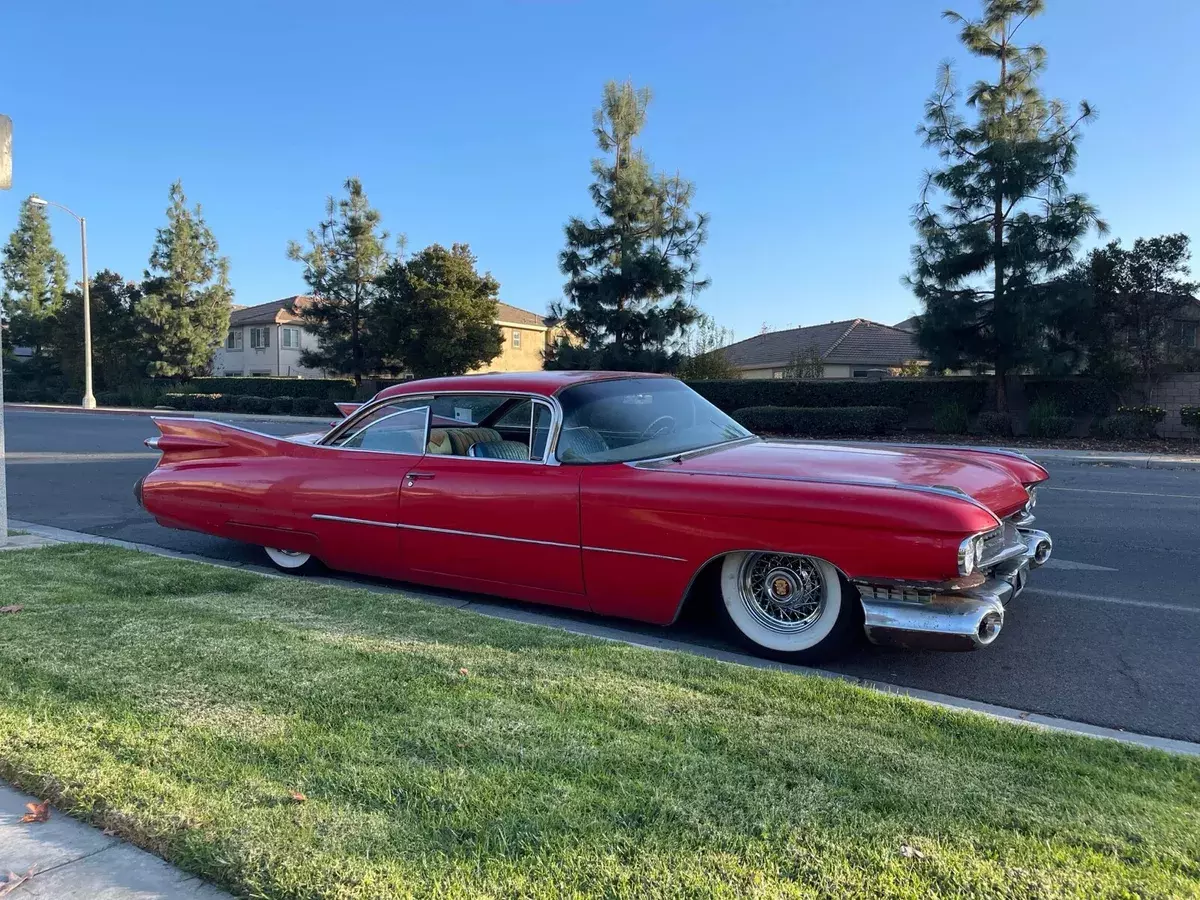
(35, 277)
(345, 256)
(118, 350)
(435, 314)
(632, 269)
(1006, 224)
(186, 293)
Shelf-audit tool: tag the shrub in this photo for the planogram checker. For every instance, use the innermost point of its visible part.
(324, 388)
(198, 402)
(997, 424)
(1151, 414)
(1045, 421)
(1190, 417)
(799, 421)
(70, 398)
(1070, 396)
(896, 392)
(950, 418)
(311, 406)
(247, 403)
(282, 406)
(1121, 425)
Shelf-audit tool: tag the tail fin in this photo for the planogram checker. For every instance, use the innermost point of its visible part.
(182, 439)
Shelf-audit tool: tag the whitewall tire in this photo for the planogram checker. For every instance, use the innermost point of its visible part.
(291, 560)
(789, 607)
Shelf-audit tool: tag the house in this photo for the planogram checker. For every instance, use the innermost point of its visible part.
(526, 335)
(264, 340)
(854, 348)
(267, 339)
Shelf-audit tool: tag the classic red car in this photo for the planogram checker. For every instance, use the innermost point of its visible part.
(627, 495)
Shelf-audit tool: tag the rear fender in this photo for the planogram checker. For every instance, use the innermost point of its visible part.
(186, 440)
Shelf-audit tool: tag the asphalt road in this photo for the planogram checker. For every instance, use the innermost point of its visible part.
(1108, 633)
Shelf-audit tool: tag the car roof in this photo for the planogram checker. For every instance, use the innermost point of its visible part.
(545, 383)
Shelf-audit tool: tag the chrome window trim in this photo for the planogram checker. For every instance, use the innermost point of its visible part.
(556, 415)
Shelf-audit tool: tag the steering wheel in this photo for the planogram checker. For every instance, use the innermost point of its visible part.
(660, 426)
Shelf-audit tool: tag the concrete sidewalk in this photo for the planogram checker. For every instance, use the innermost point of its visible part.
(62, 859)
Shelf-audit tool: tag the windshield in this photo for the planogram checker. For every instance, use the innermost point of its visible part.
(638, 418)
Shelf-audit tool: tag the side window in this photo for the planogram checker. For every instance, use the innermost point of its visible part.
(397, 427)
(489, 426)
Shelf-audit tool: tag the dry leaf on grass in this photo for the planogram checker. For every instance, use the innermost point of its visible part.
(13, 882)
(38, 812)
(462, 671)
(298, 797)
(910, 852)
(13, 608)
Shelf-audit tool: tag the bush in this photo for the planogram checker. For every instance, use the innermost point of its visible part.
(997, 424)
(311, 406)
(1121, 425)
(950, 418)
(282, 406)
(1045, 421)
(70, 398)
(1190, 417)
(247, 403)
(1150, 414)
(112, 398)
(799, 421)
(324, 388)
(895, 392)
(1070, 396)
(198, 402)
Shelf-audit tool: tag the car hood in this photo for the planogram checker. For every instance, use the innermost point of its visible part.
(988, 482)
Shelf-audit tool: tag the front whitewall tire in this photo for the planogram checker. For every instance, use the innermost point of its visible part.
(796, 609)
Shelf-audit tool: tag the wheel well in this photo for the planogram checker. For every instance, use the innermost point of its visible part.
(704, 587)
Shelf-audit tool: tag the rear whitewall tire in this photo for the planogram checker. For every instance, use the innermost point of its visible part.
(291, 560)
(812, 615)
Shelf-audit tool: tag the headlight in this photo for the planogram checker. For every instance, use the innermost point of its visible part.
(970, 551)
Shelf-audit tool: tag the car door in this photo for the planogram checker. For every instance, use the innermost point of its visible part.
(502, 525)
(348, 488)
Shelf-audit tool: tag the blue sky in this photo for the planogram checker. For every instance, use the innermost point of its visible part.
(472, 122)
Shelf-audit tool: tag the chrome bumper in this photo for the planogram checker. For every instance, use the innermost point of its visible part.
(965, 619)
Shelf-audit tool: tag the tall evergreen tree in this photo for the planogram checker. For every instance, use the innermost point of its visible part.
(435, 314)
(34, 273)
(346, 254)
(186, 293)
(996, 222)
(633, 268)
(118, 350)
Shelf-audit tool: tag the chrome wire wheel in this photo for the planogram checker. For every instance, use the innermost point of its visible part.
(783, 593)
(787, 605)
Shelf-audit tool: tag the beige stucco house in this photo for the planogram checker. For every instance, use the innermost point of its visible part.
(853, 348)
(267, 340)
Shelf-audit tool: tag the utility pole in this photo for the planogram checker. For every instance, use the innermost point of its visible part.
(5, 184)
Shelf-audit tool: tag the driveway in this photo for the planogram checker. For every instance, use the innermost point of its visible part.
(1107, 633)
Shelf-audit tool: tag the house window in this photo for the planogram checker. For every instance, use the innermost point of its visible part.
(1189, 335)
(290, 339)
(517, 338)
(260, 338)
(234, 341)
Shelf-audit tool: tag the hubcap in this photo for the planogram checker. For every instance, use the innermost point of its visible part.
(783, 593)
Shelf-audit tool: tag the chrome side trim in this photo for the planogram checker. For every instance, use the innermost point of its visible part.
(636, 553)
(495, 537)
(354, 521)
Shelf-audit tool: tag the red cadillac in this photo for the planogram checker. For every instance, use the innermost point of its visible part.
(627, 495)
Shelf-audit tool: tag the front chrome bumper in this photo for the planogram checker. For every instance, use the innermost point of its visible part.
(963, 619)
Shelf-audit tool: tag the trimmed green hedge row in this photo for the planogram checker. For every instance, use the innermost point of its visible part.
(1071, 396)
(247, 403)
(324, 388)
(797, 421)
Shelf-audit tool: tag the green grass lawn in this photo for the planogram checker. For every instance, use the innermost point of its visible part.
(181, 706)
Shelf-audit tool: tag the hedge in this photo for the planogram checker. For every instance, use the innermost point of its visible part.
(1190, 416)
(798, 421)
(323, 388)
(1071, 396)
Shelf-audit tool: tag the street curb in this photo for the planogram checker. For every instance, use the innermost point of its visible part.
(1132, 461)
(619, 635)
(162, 413)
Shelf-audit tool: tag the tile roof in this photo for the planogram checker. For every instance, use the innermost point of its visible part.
(518, 316)
(852, 341)
(265, 313)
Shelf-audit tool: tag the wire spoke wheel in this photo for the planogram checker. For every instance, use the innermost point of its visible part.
(783, 593)
(786, 605)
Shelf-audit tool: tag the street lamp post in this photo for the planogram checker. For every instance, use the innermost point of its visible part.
(89, 399)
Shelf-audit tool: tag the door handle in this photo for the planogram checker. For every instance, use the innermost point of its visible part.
(413, 476)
